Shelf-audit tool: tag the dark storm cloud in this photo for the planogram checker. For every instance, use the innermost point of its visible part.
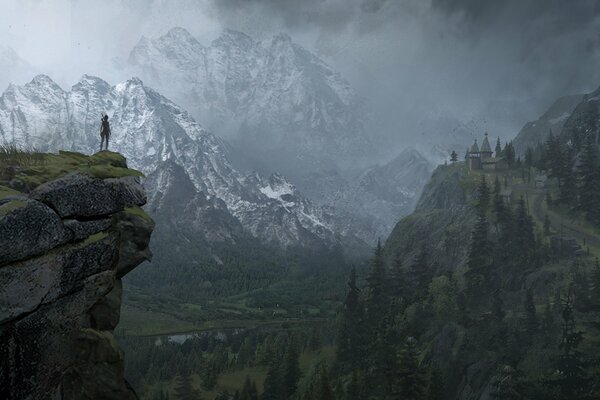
(328, 15)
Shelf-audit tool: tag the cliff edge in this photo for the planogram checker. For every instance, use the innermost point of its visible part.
(71, 227)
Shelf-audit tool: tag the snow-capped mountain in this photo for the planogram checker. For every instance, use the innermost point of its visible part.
(283, 105)
(182, 160)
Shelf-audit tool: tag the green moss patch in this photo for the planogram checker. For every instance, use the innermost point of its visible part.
(6, 191)
(138, 212)
(11, 205)
(53, 166)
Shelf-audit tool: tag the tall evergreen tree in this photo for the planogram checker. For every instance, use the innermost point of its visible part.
(589, 175)
(524, 238)
(480, 259)
(595, 286)
(272, 385)
(531, 320)
(411, 381)
(420, 273)
(509, 154)
(436, 389)
(397, 280)
(291, 369)
(376, 300)
(498, 148)
(553, 156)
(483, 192)
(350, 340)
(571, 378)
(529, 157)
(356, 389)
(453, 156)
(567, 179)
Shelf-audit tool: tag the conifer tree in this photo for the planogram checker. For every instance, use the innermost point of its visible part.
(350, 337)
(483, 191)
(531, 320)
(356, 388)
(376, 300)
(291, 370)
(453, 156)
(595, 283)
(571, 378)
(589, 175)
(497, 306)
(553, 156)
(272, 385)
(325, 392)
(529, 157)
(420, 273)
(410, 382)
(480, 261)
(567, 179)
(397, 281)
(546, 225)
(436, 389)
(498, 148)
(509, 154)
(524, 238)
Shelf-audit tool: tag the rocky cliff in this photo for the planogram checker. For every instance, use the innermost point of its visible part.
(71, 227)
(442, 221)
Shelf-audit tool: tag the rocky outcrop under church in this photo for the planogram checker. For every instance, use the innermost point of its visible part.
(71, 227)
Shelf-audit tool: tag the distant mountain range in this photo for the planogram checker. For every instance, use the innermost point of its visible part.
(182, 160)
(286, 110)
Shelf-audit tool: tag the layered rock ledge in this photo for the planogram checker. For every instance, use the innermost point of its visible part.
(71, 227)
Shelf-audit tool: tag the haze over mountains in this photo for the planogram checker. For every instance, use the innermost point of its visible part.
(155, 134)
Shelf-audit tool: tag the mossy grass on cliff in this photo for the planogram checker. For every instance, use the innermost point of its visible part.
(27, 171)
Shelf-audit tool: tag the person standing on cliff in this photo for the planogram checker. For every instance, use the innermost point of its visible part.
(104, 132)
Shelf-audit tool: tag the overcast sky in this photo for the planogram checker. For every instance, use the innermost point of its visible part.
(411, 58)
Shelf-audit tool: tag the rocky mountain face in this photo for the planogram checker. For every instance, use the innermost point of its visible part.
(187, 166)
(441, 223)
(284, 106)
(584, 119)
(372, 203)
(286, 110)
(553, 120)
(68, 233)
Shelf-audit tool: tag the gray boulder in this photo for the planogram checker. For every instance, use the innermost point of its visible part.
(135, 229)
(28, 228)
(82, 229)
(26, 285)
(79, 195)
(105, 314)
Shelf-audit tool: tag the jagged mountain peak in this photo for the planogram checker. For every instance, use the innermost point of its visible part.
(233, 36)
(179, 33)
(275, 98)
(164, 142)
(43, 80)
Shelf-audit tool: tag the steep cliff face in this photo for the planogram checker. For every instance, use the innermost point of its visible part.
(70, 229)
(442, 221)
